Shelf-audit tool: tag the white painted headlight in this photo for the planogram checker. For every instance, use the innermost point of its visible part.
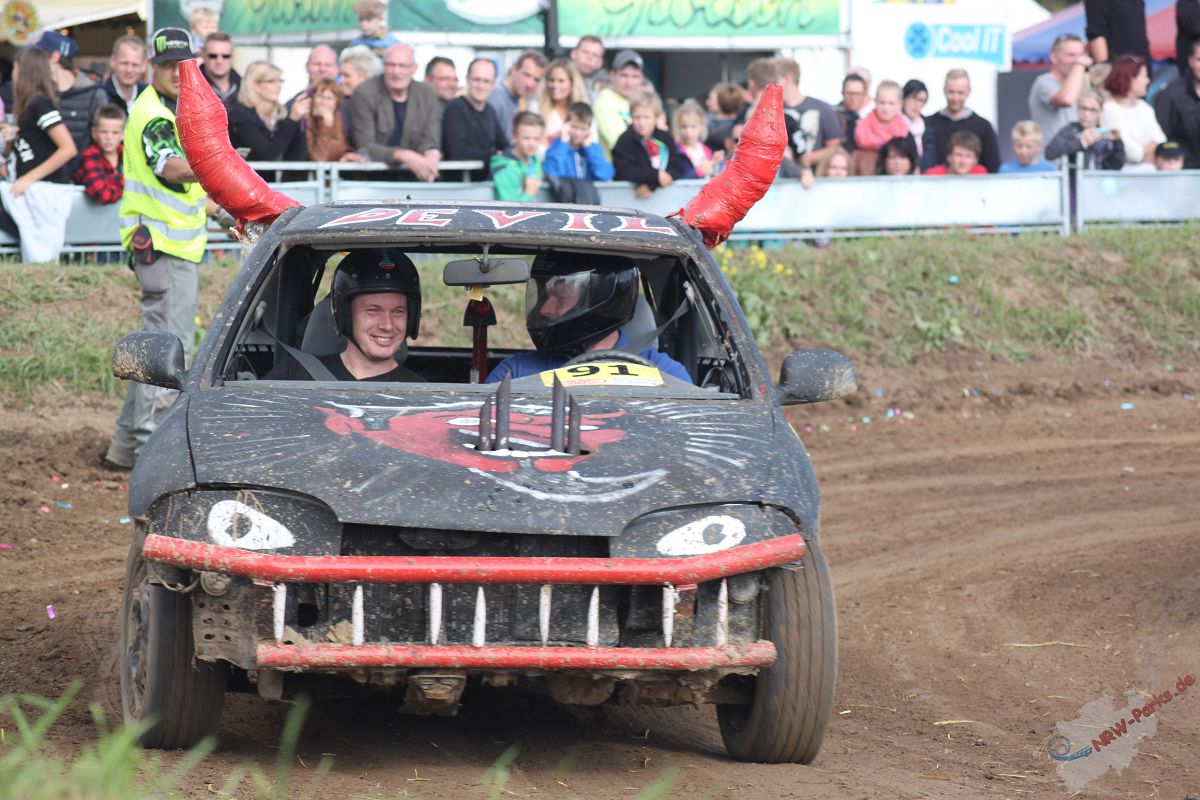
(234, 524)
(705, 535)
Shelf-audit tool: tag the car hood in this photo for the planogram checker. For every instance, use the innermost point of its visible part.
(408, 459)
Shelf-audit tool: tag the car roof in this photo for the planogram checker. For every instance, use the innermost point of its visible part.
(371, 219)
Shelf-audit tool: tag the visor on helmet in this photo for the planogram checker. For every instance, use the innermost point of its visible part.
(567, 311)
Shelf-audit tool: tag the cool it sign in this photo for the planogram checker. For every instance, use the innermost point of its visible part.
(978, 42)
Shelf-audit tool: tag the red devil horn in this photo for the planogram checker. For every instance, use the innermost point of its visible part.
(203, 126)
(724, 200)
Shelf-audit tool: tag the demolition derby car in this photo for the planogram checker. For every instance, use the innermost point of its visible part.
(599, 533)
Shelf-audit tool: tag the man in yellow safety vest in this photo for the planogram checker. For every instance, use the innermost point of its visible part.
(163, 228)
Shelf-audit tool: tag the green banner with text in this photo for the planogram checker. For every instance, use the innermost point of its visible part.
(604, 18)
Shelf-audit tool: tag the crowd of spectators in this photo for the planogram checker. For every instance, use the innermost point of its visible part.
(568, 122)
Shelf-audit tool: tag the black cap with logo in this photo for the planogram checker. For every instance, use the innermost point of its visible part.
(170, 44)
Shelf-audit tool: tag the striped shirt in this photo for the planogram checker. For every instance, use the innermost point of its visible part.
(33, 144)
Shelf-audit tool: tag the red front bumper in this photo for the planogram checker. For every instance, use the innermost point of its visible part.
(669, 573)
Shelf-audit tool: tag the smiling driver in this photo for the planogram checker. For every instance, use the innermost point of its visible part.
(377, 307)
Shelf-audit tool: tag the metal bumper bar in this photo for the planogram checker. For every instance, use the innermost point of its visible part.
(473, 569)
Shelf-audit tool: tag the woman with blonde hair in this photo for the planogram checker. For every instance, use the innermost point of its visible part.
(562, 86)
(837, 163)
(260, 124)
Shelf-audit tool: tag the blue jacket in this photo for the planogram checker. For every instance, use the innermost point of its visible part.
(535, 361)
(567, 162)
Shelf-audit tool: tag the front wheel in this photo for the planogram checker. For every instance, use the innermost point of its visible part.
(161, 680)
(786, 721)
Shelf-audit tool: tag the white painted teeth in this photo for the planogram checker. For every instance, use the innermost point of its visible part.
(547, 593)
(356, 617)
(669, 599)
(278, 606)
(478, 635)
(593, 621)
(435, 612)
(723, 614)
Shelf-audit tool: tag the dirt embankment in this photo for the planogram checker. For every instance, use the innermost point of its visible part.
(1009, 545)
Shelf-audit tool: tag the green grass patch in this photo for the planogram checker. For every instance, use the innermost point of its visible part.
(1117, 294)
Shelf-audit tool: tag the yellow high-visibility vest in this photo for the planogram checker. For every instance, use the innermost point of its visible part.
(177, 220)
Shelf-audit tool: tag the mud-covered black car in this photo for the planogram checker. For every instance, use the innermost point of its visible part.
(602, 534)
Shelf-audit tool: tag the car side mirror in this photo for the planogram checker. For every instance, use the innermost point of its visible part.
(814, 376)
(154, 358)
(485, 271)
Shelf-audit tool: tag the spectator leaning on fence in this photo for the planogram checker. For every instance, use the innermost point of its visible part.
(1053, 95)
(356, 65)
(517, 172)
(373, 27)
(963, 157)
(915, 96)
(1127, 112)
(397, 120)
(260, 124)
(1115, 27)
(516, 92)
(1177, 108)
(817, 123)
(163, 227)
(38, 201)
(325, 126)
(218, 66)
(577, 154)
(128, 64)
(898, 157)
(611, 108)
(442, 77)
(955, 118)
(588, 58)
(854, 102)
(1103, 149)
(99, 171)
(1027, 146)
(645, 155)
(470, 129)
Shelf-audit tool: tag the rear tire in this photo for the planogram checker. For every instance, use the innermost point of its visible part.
(793, 697)
(161, 679)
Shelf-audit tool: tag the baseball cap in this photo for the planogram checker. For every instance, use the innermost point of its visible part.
(170, 44)
(1169, 150)
(55, 42)
(625, 58)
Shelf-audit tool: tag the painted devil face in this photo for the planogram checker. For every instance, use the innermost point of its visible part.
(451, 435)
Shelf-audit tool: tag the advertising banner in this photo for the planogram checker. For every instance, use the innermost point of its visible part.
(609, 19)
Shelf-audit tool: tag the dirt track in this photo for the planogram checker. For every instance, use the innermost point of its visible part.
(1038, 512)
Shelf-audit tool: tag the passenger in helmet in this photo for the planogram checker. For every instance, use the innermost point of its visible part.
(376, 298)
(577, 303)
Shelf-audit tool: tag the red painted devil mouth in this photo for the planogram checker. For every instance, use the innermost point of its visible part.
(450, 436)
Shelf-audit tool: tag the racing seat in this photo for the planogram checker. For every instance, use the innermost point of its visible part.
(320, 336)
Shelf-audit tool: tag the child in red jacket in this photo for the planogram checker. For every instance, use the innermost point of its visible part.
(100, 165)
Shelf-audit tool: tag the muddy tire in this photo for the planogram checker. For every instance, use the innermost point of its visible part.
(161, 680)
(793, 697)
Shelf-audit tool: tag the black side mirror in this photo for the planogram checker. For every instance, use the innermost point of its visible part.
(485, 271)
(154, 358)
(814, 376)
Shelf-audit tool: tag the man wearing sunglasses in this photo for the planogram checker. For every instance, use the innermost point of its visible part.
(217, 59)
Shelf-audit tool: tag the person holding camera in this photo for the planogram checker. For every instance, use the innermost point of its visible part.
(1102, 148)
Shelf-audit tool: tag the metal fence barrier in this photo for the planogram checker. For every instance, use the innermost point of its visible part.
(867, 206)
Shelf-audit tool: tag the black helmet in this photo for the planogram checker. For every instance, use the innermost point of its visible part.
(370, 270)
(573, 300)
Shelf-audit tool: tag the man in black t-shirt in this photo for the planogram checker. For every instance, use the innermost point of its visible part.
(377, 306)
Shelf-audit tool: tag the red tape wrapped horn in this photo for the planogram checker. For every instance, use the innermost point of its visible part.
(203, 126)
(727, 198)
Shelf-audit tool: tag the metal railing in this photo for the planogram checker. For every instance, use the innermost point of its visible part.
(850, 207)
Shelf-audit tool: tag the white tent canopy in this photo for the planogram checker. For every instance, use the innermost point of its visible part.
(68, 13)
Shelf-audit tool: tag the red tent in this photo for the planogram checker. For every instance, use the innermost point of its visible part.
(1032, 45)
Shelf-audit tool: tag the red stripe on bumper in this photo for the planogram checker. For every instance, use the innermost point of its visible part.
(317, 656)
(473, 569)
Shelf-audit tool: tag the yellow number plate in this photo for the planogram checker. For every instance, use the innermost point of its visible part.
(608, 373)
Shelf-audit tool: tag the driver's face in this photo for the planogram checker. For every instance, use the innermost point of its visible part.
(561, 297)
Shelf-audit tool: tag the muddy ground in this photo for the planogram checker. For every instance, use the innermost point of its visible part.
(1018, 506)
